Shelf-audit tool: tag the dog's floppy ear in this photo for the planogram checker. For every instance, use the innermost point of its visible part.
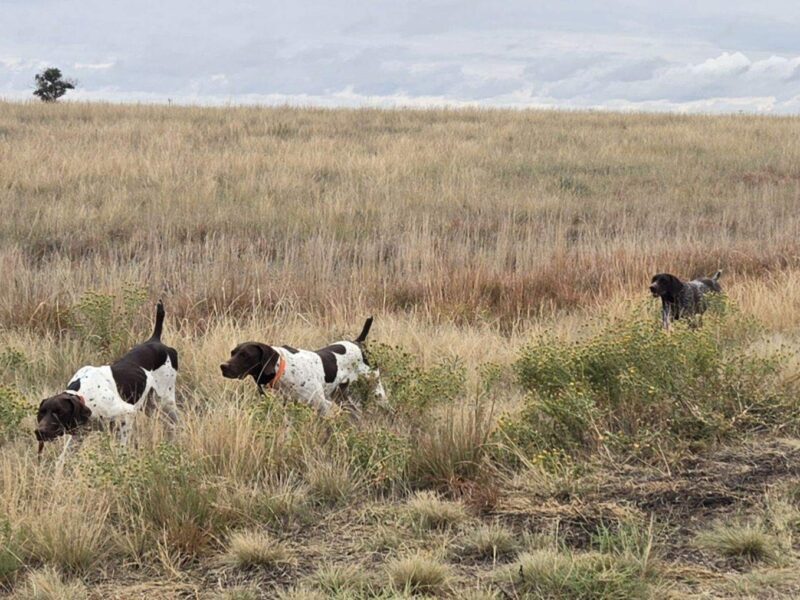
(267, 362)
(80, 412)
(673, 285)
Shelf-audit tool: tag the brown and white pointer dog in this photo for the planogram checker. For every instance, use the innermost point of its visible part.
(313, 377)
(679, 299)
(113, 393)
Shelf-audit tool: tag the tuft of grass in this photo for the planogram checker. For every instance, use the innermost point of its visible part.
(280, 502)
(238, 593)
(384, 539)
(748, 542)
(491, 541)
(338, 580)
(48, 584)
(248, 549)
(419, 574)
(426, 510)
(548, 574)
(300, 593)
(331, 481)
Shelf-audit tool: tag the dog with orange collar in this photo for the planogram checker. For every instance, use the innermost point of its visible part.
(313, 377)
(113, 393)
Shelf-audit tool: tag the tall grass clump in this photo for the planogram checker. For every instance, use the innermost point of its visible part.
(628, 384)
(10, 554)
(450, 450)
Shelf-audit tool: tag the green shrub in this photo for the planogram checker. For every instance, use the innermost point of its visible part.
(13, 409)
(631, 383)
(106, 320)
(413, 388)
(11, 360)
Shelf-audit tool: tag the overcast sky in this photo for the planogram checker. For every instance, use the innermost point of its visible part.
(683, 55)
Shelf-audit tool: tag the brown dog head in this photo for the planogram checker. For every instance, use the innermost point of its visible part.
(60, 414)
(251, 358)
(666, 286)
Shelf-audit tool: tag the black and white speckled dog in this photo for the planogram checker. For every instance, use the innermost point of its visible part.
(113, 393)
(679, 299)
(313, 377)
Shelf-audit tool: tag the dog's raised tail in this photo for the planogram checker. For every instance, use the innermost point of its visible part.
(159, 322)
(364, 332)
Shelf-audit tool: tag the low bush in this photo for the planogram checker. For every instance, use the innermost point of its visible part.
(106, 320)
(13, 408)
(10, 554)
(630, 385)
(413, 388)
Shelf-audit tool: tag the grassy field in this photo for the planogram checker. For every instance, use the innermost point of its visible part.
(547, 440)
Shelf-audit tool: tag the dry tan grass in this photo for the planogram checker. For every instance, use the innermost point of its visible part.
(464, 232)
(448, 215)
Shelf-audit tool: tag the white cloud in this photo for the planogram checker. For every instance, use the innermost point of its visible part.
(632, 55)
(93, 66)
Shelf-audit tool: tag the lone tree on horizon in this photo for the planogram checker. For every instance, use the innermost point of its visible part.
(50, 85)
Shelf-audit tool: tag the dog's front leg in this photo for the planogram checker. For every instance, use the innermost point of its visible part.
(62, 458)
(121, 414)
(317, 399)
(665, 315)
(71, 446)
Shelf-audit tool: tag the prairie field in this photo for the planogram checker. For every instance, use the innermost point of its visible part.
(546, 439)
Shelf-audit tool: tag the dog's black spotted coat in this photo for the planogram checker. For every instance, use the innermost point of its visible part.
(112, 393)
(328, 357)
(313, 377)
